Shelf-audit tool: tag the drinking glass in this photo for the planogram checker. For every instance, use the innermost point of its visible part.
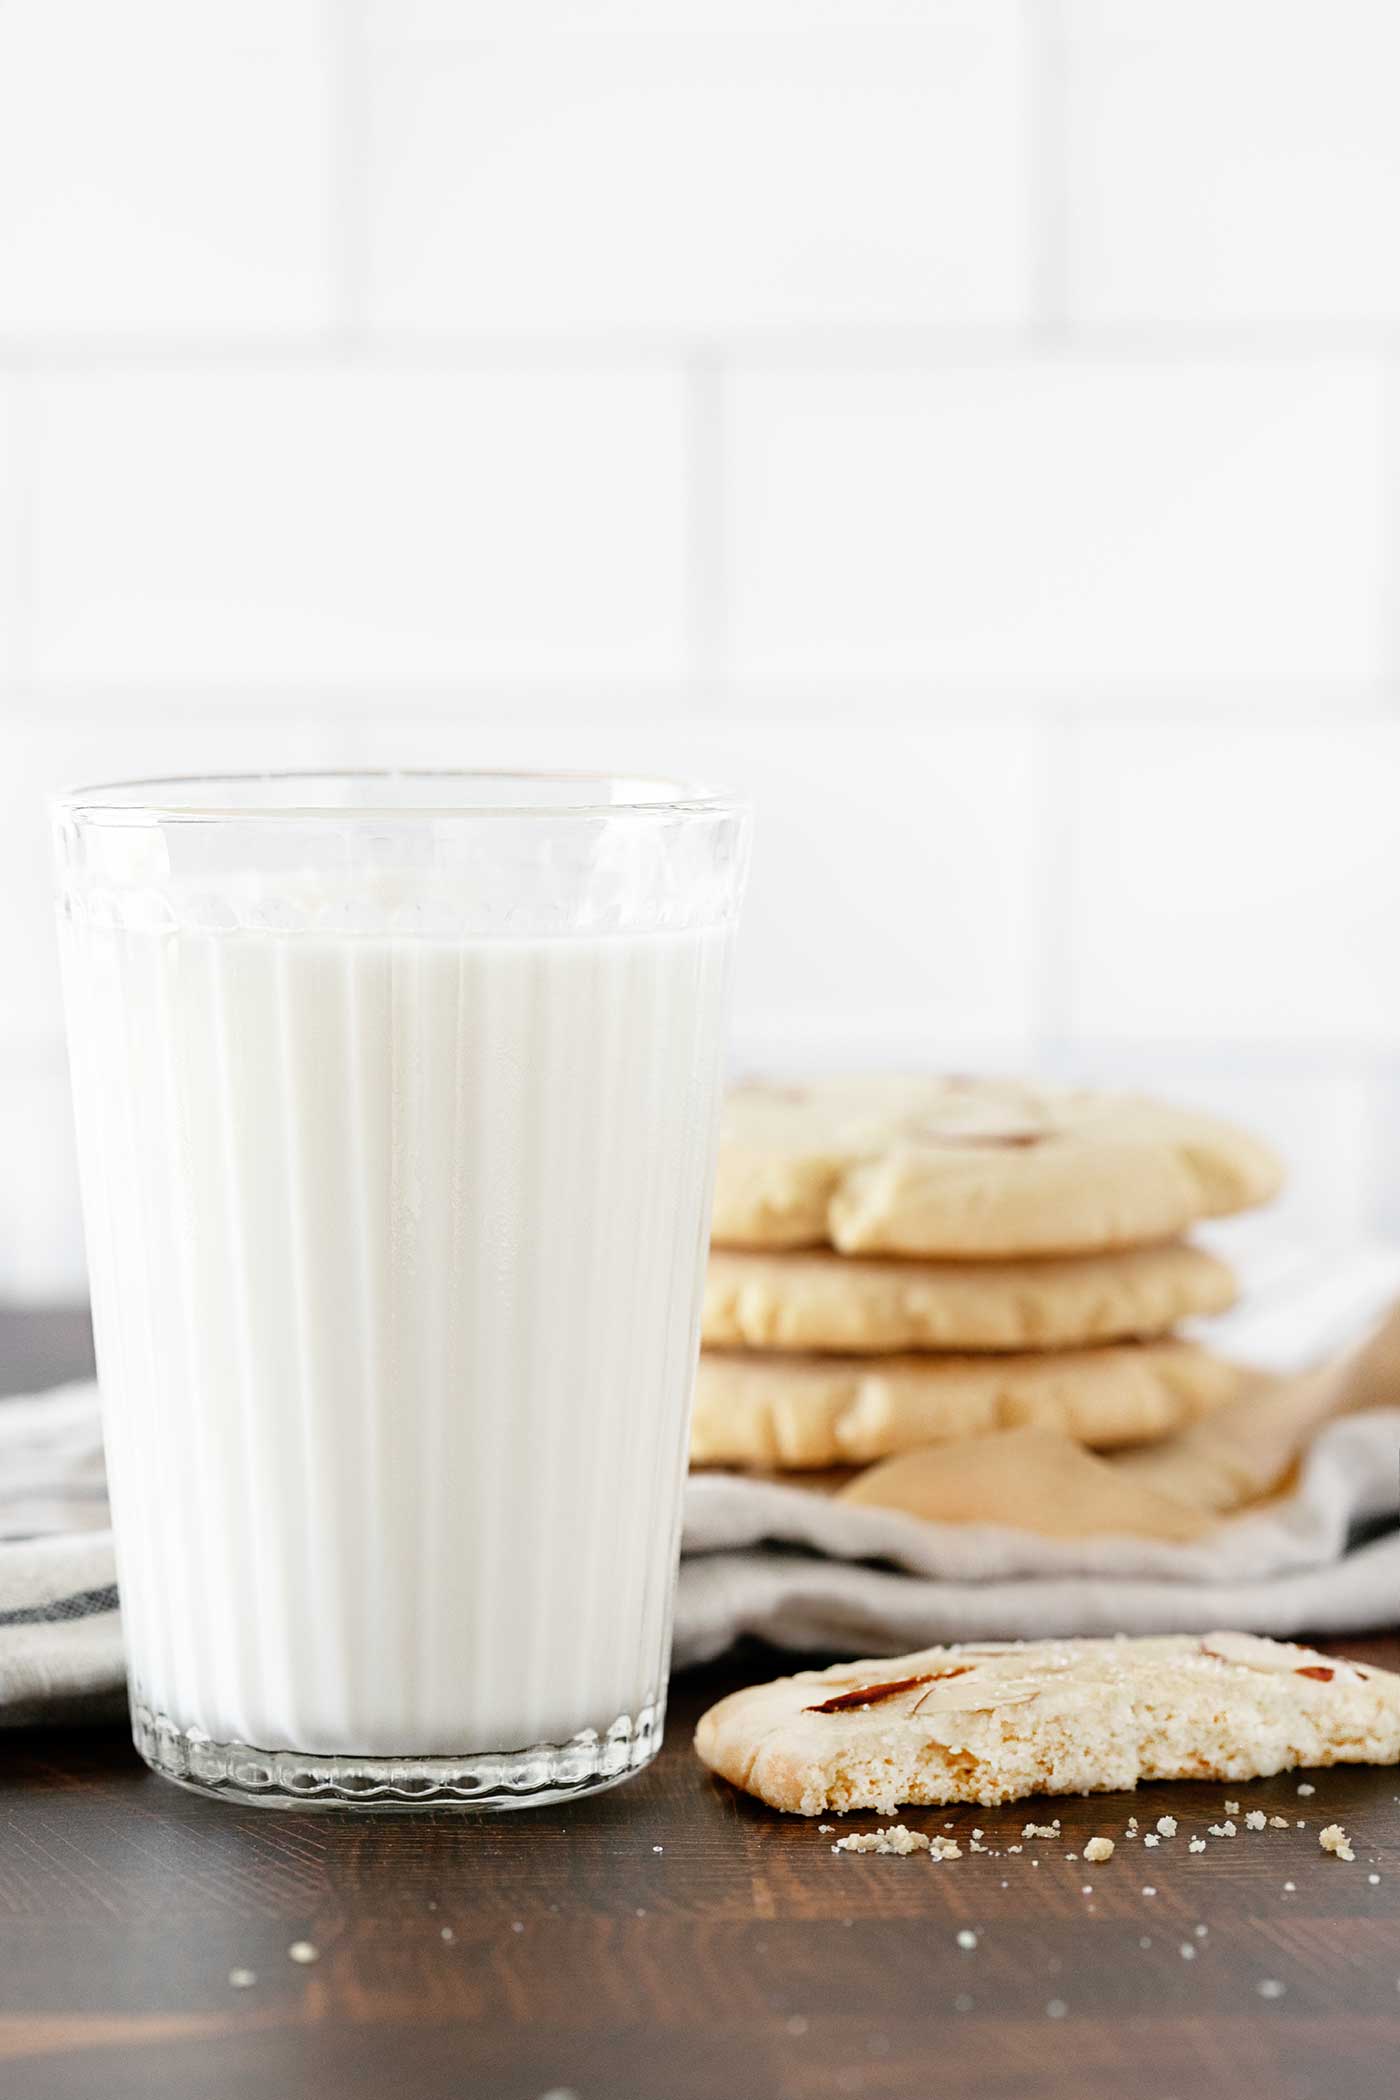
(396, 1098)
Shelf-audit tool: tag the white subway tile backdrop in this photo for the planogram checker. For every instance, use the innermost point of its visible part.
(165, 169)
(720, 180)
(343, 525)
(1257, 887)
(1059, 527)
(1232, 162)
(972, 424)
(13, 531)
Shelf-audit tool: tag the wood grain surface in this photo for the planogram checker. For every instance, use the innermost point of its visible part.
(673, 1940)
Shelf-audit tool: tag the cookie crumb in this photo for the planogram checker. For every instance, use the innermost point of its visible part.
(448, 1934)
(1148, 1890)
(1269, 1987)
(303, 1951)
(1196, 1845)
(1098, 1848)
(1290, 1888)
(1307, 1787)
(1041, 1830)
(896, 1839)
(1166, 1826)
(824, 1830)
(1222, 1830)
(1188, 1952)
(1152, 1838)
(1201, 1931)
(1256, 1819)
(977, 1833)
(1072, 1856)
(944, 1848)
(967, 1939)
(1374, 1880)
(242, 1979)
(1232, 1808)
(1334, 1839)
(1278, 1822)
(1132, 1823)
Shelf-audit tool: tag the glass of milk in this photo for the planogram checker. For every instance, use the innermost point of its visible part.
(396, 1100)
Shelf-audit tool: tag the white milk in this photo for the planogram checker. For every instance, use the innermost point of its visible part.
(396, 1251)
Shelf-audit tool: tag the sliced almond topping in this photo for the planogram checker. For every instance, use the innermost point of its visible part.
(1006, 1140)
(1275, 1658)
(982, 1695)
(876, 1694)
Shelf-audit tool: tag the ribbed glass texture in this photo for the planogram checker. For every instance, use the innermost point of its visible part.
(396, 1106)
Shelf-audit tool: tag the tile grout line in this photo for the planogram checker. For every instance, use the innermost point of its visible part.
(1047, 204)
(1376, 1081)
(347, 229)
(1054, 752)
(896, 703)
(1388, 611)
(23, 551)
(708, 610)
(875, 351)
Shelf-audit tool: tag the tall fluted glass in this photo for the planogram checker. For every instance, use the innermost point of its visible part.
(396, 1100)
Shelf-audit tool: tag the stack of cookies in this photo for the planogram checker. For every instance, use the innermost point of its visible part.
(899, 1262)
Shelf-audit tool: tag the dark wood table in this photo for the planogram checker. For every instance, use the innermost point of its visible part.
(672, 1939)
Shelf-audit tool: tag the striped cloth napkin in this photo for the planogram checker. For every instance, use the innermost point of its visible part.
(60, 1629)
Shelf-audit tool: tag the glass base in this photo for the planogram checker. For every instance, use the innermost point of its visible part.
(551, 1772)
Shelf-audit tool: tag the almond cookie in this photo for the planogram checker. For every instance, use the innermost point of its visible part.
(806, 1411)
(996, 1723)
(972, 1168)
(814, 1299)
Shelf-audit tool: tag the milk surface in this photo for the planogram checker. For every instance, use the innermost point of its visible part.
(396, 1250)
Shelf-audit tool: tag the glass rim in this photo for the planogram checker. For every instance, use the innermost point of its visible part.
(158, 798)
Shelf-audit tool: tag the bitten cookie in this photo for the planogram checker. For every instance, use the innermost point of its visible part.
(815, 1299)
(972, 1168)
(996, 1723)
(805, 1411)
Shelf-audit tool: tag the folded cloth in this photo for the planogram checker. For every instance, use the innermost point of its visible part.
(60, 1630)
(811, 1572)
(794, 1567)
